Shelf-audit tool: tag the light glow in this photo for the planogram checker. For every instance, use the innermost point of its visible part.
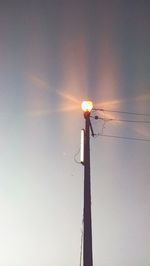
(87, 106)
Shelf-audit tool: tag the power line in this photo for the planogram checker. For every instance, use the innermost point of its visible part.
(122, 137)
(121, 120)
(105, 120)
(121, 112)
(131, 121)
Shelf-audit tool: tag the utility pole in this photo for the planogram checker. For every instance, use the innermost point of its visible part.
(87, 239)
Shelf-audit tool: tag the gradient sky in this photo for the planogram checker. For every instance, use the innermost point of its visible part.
(54, 54)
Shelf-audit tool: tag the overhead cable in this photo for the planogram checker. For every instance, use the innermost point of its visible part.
(121, 112)
(122, 137)
(122, 120)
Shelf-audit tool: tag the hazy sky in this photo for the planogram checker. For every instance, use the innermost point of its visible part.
(54, 54)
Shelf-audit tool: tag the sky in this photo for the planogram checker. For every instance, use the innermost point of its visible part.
(53, 55)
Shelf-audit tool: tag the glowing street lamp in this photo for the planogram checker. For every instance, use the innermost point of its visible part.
(87, 106)
(85, 160)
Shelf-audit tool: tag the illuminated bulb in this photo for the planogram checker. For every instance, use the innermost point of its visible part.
(87, 106)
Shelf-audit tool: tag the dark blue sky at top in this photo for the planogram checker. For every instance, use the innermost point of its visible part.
(59, 21)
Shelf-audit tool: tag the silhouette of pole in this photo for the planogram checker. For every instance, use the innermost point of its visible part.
(87, 239)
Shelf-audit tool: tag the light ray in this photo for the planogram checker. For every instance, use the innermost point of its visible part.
(68, 97)
(39, 83)
(142, 97)
(46, 112)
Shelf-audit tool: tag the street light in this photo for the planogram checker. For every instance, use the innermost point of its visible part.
(87, 106)
(87, 239)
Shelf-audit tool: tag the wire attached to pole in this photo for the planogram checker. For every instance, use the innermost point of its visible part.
(120, 112)
(75, 155)
(122, 137)
(105, 120)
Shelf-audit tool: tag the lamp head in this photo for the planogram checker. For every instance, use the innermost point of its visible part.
(87, 106)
